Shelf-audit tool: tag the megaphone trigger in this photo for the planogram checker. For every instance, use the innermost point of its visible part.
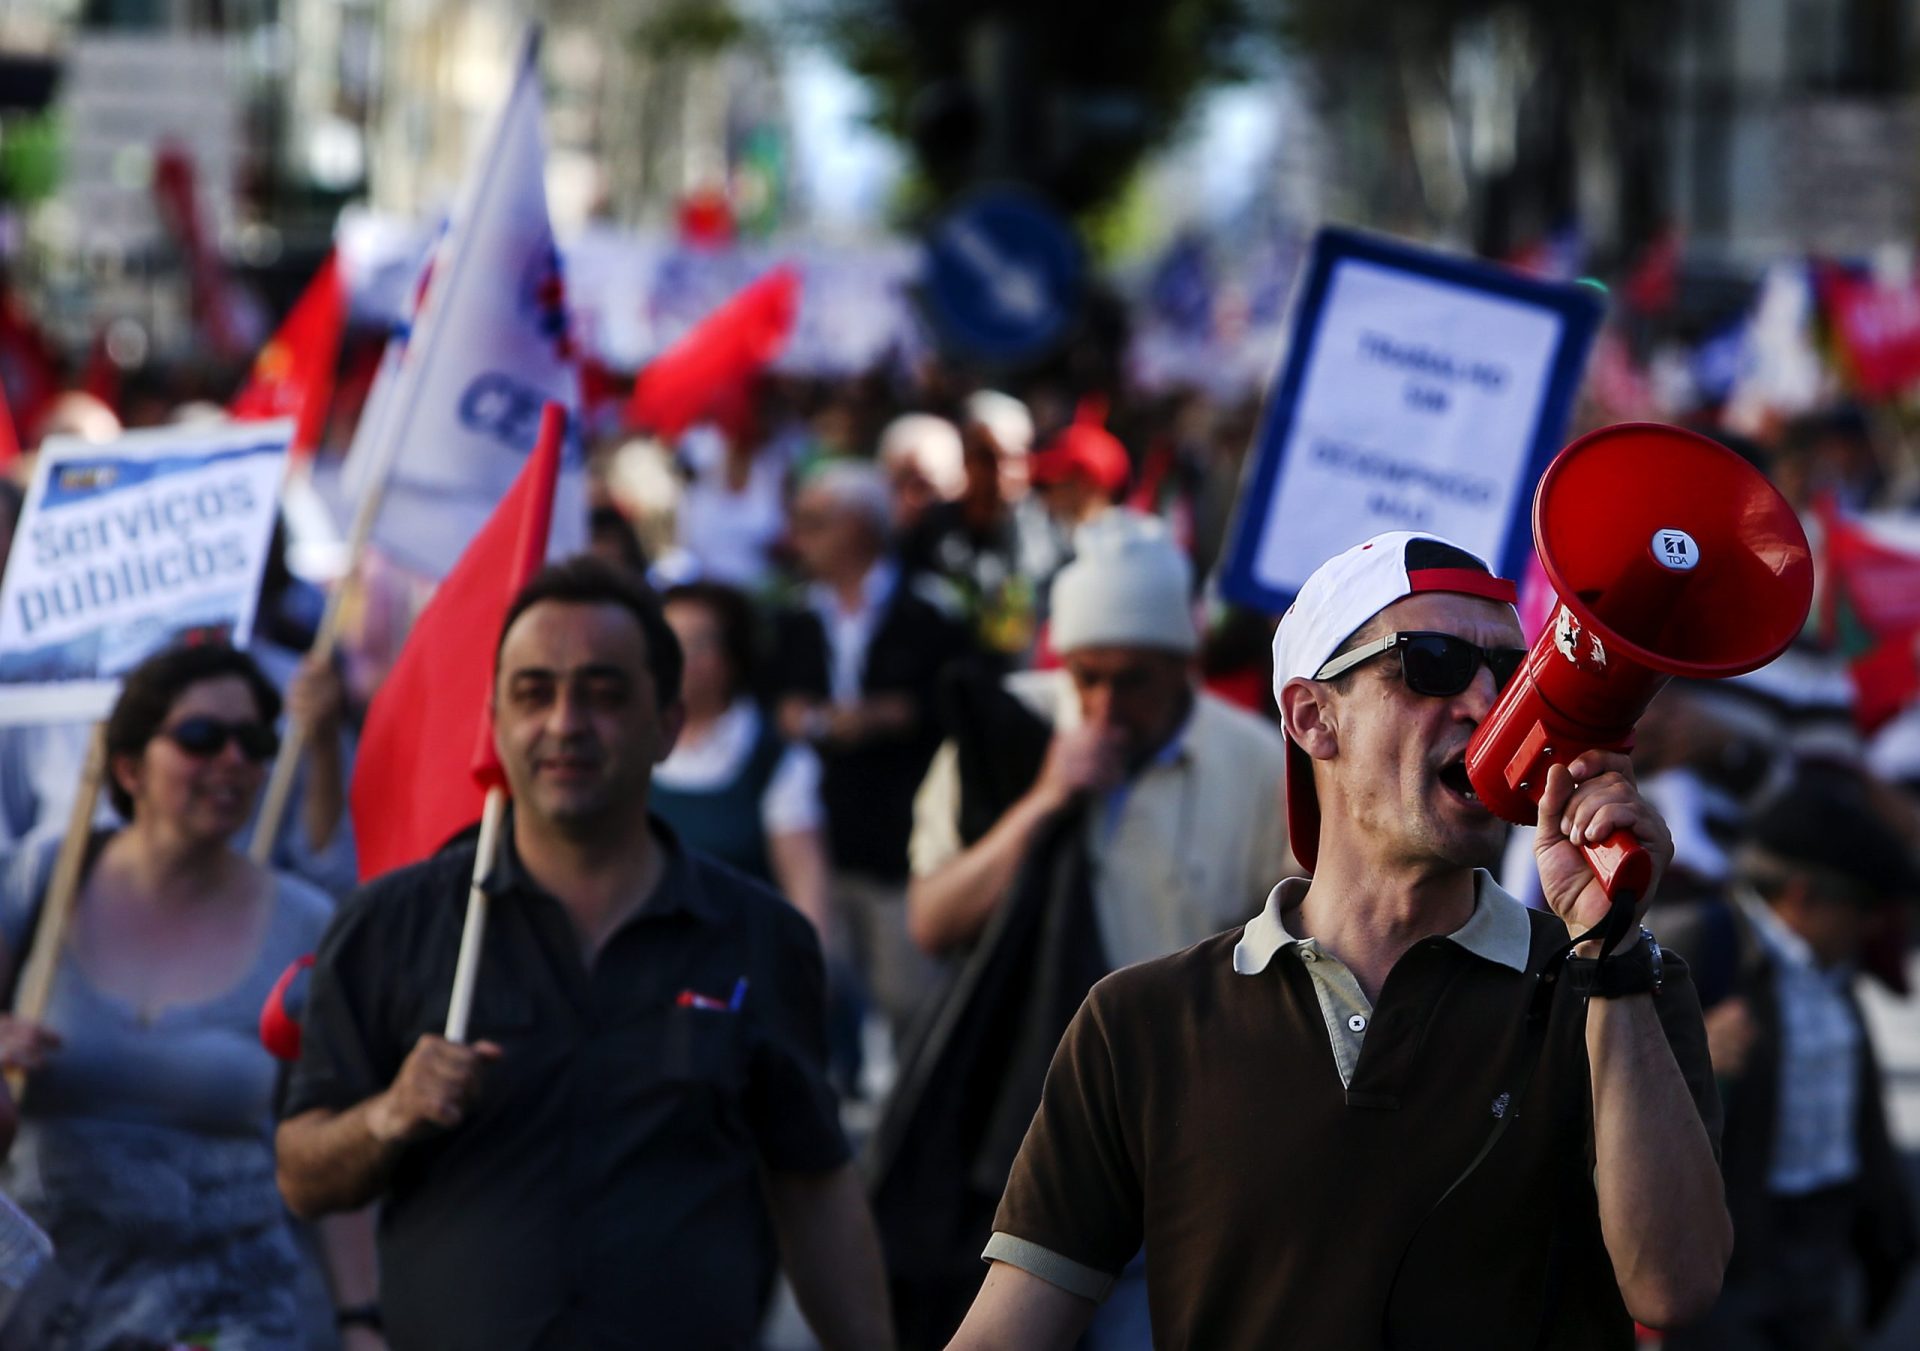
(1670, 555)
(1620, 863)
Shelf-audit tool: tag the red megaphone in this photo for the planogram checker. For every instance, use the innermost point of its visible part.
(1670, 556)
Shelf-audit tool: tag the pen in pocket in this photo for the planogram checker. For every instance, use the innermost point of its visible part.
(692, 999)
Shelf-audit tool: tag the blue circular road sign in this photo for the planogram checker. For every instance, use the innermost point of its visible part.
(1003, 275)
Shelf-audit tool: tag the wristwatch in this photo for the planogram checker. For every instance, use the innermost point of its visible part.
(359, 1315)
(1635, 970)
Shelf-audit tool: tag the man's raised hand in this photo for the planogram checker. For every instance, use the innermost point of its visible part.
(1583, 803)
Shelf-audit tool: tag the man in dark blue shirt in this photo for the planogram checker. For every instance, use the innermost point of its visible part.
(642, 1117)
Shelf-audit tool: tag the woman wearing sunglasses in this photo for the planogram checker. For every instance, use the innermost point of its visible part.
(145, 1140)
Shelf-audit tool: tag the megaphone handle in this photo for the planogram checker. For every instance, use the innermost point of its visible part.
(1620, 863)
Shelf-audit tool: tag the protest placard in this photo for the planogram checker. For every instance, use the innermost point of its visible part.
(126, 547)
(1420, 392)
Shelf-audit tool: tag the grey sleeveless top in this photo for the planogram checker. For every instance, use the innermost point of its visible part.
(146, 1151)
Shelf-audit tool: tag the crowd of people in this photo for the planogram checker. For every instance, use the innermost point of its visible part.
(908, 861)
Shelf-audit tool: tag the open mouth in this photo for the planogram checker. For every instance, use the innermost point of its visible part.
(1453, 777)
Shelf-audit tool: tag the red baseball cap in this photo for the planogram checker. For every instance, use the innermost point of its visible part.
(1084, 449)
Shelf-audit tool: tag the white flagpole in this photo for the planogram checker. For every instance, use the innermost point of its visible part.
(466, 969)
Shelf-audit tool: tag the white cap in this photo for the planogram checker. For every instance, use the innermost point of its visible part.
(932, 446)
(1342, 594)
(1128, 586)
(1006, 417)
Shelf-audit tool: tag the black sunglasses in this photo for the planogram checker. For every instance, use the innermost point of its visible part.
(1437, 664)
(204, 738)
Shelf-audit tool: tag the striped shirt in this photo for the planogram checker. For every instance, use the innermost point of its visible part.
(1814, 1141)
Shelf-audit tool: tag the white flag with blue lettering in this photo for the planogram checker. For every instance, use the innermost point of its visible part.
(456, 407)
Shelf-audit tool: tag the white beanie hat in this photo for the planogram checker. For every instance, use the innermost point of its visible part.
(1128, 586)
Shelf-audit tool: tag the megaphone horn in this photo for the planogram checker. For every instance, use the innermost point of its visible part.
(1670, 555)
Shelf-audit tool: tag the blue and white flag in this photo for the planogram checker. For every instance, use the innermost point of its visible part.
(455, 409)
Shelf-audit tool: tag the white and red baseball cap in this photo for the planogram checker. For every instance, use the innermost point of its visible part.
(1342, 594)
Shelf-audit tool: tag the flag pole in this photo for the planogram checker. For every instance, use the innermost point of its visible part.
(293, 748)
(56, 911)
(443, 282)
(466, 969)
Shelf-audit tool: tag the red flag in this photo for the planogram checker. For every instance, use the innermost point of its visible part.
(699, 375)
(176, 197)
(422, 776)
(1654, 283)
(293, 375)
(706, 219)
(1870, 610)
(1877, 329)
(9, 436)
(1886, 679)
(1872, 578)
(29, 370)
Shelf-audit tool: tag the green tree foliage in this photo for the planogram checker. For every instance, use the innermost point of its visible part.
(1066, 96)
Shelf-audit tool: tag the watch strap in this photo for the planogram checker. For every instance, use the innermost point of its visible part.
(1634, 970)
(359, 1316)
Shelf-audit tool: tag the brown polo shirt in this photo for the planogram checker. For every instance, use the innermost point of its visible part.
(1282, 1151)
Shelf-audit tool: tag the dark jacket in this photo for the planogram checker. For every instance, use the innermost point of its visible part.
(970, 1080)
(867, 790)
(1885, 1238)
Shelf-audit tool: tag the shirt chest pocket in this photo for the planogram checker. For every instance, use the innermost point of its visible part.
(679, 1051)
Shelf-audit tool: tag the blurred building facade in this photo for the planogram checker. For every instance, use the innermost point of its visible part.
(1791, 125)
(284, 111)
(1753, 127)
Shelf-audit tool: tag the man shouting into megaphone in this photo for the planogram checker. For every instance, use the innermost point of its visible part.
(1383, 1113)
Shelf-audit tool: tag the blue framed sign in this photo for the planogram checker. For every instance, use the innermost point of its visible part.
(1420, 391)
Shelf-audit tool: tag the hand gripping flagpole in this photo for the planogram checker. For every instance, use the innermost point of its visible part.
(50, 933)
(395, 427)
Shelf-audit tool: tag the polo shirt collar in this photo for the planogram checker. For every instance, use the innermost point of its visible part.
(1785, 945)
(1498, 931)
(679, 888)
(876, 589)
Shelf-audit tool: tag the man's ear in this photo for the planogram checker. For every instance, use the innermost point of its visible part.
(1307, 709)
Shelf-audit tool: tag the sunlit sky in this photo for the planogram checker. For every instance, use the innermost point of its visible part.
(847, 170)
